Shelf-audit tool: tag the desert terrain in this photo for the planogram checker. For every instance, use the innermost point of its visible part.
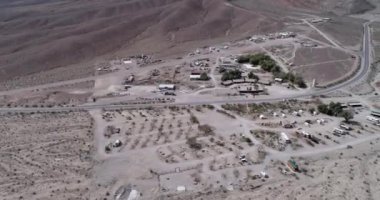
(189, 99)
(64, 36)
(48, 157)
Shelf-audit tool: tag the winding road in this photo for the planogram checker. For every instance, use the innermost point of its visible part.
(360, 73)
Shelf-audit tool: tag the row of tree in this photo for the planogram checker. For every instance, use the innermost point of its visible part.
(292, 78)
(231, 75)
(335, 109)
(265, 61)
(269, 65)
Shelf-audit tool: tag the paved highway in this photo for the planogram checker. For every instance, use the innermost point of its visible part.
(362, 72)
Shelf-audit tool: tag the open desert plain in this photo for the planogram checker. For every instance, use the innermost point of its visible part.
(189, 99)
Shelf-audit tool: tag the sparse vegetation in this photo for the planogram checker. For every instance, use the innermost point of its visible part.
(192, 142)
(226, 113)
(194, 119)
(206, 129)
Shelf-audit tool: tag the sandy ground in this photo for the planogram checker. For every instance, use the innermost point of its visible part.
(46, 156)
(155, 157)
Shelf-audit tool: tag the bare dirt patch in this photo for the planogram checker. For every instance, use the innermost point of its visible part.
(307, 56)
(323, 64)
(347, 31)
(46, 156)
(325, 73)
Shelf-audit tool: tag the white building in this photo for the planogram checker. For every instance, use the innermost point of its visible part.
(181, 188)
(166, 87)
(284, 137)
(279, 80)
(127, 61)
(195, 76)
(133, 195)
(340, 131)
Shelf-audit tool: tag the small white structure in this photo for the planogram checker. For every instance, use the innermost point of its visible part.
(345, 127)
(133, 195)
(305, 134)
(262, 117)
(284, 137)
(166, 87)
(279, 80)
(117, 143)
(248, 66)
(275, 114)
(283, 115)
(320, 121)
(181, 188)
(340, 131)
(230, 188)
(127, 61)
(263, 174)
(373, 119)
(195, 76)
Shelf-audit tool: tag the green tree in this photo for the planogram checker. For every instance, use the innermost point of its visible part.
(204, 77)
(323, 108)
(251, 75)
(243, 59)
(298, 80)
(347, 116)
(335, 108)
(231, 75)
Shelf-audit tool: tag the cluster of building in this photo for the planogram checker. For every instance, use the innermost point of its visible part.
(228, 63)
(272, 36)
(251, 89)
(203, 62)
(238, 81)
(199, 66)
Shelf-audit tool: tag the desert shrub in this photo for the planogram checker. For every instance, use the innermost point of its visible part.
(192, 142)
(206, 129)
(194, 119)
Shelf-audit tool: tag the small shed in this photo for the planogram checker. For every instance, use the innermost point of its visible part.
(166, 87)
